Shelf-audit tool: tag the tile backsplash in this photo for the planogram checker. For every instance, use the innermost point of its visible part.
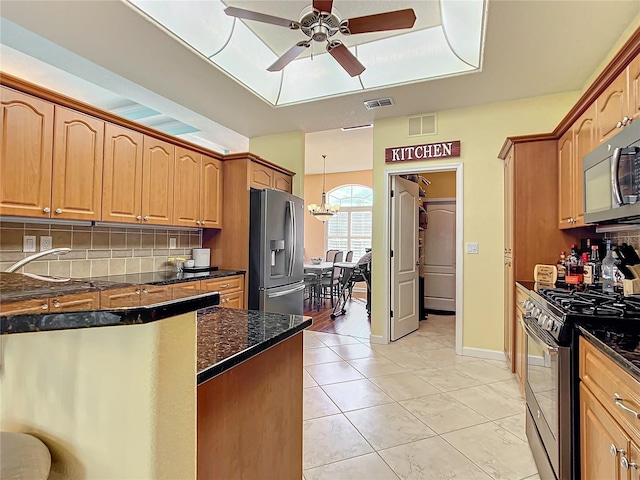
(630, 237)
(97, 251)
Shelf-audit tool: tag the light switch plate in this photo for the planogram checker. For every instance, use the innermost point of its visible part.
(172, 243)
(46, 243)
(472, 247)
(29, 243)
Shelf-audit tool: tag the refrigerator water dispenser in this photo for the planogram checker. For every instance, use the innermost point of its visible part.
(276, 246)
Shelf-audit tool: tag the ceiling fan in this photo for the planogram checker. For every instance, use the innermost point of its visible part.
(320, 22)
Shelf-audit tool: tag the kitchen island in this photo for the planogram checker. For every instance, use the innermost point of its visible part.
(122, 401)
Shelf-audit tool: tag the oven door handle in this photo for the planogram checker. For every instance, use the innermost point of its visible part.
(541, 343)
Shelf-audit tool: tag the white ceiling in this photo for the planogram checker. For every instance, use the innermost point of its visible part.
(532, 48)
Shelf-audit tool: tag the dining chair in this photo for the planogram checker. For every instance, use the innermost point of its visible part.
(329, 257)
(330, 284)
(349, 256)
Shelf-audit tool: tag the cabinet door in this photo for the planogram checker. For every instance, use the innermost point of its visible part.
(158, 164)
(565, 180)
(26, 143)
(509, 314)
(122, 175)
(583, 142)
(633, 70)
(612, 106)
(520, 350)
(232, 300)
(186, 204)
(211, 193)
(260, 176)
(633, 457)
(77, 166)
(508, 204)
(282, 181)
(601, 440)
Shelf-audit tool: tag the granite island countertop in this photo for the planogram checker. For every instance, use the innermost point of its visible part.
(31, 305)
(227, 337)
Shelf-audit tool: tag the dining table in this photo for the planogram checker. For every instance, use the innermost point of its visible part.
(318, 270)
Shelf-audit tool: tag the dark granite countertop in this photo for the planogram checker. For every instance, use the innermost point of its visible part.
(31, 305)
(227, 337)
(619, 342)
(166, 277)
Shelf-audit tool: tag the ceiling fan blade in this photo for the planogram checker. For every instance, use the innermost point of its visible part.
(261, 17)
(345, 58)
(289, 56)
(323, 5)
(379, 22)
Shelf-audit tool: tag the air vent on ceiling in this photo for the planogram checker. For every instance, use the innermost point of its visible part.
(380, 102)
(423, 125)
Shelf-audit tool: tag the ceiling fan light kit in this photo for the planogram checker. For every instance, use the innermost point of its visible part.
(320, 21)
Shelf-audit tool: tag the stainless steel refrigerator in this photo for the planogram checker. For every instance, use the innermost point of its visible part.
(276, 235)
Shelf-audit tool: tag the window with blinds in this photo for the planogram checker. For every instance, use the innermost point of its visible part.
(350, 228)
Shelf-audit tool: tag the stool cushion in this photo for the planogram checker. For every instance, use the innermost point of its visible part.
(23, 457)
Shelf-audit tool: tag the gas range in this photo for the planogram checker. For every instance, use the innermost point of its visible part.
(556, 310)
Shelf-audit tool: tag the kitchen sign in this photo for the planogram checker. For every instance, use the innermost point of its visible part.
(427, 151)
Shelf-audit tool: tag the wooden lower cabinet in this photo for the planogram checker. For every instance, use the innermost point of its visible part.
(609, 434)
(75, 302)
(231, 290)
(24, 307)
(250, 417)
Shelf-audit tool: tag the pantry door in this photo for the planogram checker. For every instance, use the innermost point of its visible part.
(439, 269)
(404, 262)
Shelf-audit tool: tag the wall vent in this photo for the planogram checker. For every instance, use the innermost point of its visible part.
(380, 102)
(423, 125)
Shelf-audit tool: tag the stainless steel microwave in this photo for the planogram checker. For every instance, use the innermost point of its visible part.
(612, 179)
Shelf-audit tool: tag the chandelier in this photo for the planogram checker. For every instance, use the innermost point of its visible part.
(324, 211)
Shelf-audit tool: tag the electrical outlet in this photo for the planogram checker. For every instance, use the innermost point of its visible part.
(172, 243)
(472, 247)
(46, 243)
(29, 243)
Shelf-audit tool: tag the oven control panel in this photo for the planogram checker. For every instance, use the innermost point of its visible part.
(545, 319)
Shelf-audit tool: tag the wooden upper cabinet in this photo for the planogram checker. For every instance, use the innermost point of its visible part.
(612, 106)
(211, 193)
(186, 204)
(122, 180)
(77, 166)
(26, 142)
(282, 181)
(260, 176)
(565, 180)
(158, 166)
(584, 141)
(633, 72)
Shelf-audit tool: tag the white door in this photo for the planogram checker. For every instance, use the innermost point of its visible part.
(404, 263)
(439, 269)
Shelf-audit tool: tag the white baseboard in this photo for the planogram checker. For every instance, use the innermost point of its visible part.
(377, 339)
(483, 353)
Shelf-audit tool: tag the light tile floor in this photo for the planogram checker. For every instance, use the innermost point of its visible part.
(411, 410)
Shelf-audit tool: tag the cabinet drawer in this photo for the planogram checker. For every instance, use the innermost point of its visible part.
(612, 386)
(24, 307)
(224, 284)
(195, 285)
(75, 302)
(232, 300)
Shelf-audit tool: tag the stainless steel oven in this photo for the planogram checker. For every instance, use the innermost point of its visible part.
(548, 396)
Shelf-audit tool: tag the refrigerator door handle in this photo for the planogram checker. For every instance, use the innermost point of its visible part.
(292, 235)
(286, 292)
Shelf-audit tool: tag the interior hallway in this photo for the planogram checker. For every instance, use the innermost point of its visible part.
(411, 410)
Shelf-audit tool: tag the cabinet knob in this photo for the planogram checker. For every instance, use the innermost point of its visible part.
(139, 217)
(203, 222)
(144, 290)
(58, 210)
(44, 306)
(46, 209)
(613, 450)
(146, 218)
(56, 303)
(625, 120)
(619, 125)
(137, 292)
(626, 464)
(198, 222)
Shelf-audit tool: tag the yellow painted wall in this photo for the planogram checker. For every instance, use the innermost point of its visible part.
(482, 131)
(443, 184)
(109, 402)
(313, 228)
(286, 150)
